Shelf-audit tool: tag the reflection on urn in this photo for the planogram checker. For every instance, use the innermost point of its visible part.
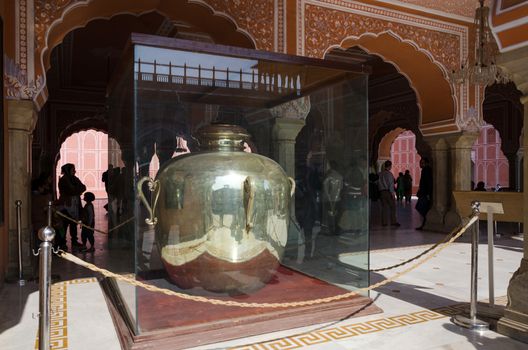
(221, 214)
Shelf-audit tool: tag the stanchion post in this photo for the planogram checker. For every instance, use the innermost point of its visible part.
(492, 229)
(46, 235)
(472, 322)
(18, 204)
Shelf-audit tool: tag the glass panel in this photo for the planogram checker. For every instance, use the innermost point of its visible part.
(223, 218)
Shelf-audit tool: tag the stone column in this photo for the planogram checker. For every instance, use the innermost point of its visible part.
(515, 320)
(441, 183)
(512, 170)
(285, 132)
(460, 166)
(518, 170)
(289, 120)
(22, 117)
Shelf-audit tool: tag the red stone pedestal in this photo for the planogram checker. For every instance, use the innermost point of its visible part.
(167, 322)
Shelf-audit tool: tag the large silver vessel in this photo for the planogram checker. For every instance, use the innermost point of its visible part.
(221, 214)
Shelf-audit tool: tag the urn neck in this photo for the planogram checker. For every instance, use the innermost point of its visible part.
(222, 137)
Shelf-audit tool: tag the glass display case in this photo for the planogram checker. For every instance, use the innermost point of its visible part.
(237, 175)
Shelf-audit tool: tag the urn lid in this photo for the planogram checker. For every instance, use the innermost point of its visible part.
(222, 137)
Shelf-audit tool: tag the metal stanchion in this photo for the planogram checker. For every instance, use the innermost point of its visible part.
(46, 235)
(472, 322)
(18, 204)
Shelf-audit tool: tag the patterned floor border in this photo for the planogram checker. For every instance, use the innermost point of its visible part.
(326, 335)
(59, 323)
(59, 313)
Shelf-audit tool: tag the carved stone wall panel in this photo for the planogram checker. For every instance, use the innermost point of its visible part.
(46, 12)
(324, 27)
(255, 17)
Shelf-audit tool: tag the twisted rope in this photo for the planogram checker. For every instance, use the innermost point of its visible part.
(446, 238)
(93, 228)
(202, 299)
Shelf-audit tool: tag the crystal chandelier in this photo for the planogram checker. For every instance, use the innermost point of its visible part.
(482, 70)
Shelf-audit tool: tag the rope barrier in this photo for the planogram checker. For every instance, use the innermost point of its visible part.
(418, 255)
(294, 222)
(202, 299)
(93, 228)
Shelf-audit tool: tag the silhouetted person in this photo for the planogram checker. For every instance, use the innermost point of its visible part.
(70, 190)
(88, 219)
(399, 187)
(352, 198)
(332, 187)
(425, 191)
(386, 188)
(407, 186)
(105, 180)
(481, 186)
(374, 194)
(311, 191)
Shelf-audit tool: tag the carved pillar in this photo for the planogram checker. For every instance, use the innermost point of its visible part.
(285, 132)
(460, 166)
(22, 117)
(512, 170)
(289, 120)
(441, 183)
(519, 157)
(515, 320)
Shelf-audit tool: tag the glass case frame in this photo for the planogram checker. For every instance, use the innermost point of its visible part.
(325, 125)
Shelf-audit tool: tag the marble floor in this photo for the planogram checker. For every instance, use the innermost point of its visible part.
(416, 308)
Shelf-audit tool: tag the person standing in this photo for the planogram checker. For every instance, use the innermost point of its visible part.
(425, 191)
(399, 187)
(388, 202)
(70, 190)
(106, 180)
(332, 187)
(407, 186)
(88, 219)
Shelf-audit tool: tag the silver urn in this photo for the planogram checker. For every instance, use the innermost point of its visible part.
(221, 215)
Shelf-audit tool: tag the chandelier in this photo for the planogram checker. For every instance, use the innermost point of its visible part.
(481, 70)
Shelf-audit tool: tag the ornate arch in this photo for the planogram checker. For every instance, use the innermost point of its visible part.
(436, 102)
(97, 123)
(384, 151)
(439, 45)
(55, 19)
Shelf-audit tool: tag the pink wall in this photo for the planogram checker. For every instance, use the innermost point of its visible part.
(88, 150)
(404, 157)
(490, 164)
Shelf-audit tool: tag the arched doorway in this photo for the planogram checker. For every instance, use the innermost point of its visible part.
(436, 103)
(490, 165)
(405, 157)
(88, 151)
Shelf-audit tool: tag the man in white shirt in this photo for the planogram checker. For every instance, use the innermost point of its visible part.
(386, 187)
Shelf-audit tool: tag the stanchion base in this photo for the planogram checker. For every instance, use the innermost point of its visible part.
(476, 325)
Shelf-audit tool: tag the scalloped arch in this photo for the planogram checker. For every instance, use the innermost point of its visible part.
(91, 123)
(384, 150)
(197, 13)
(435, 97)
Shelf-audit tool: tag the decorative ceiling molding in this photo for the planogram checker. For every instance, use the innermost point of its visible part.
(509, 24)
(463, 10)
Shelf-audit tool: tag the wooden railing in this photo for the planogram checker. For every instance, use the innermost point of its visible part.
(220, 78)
